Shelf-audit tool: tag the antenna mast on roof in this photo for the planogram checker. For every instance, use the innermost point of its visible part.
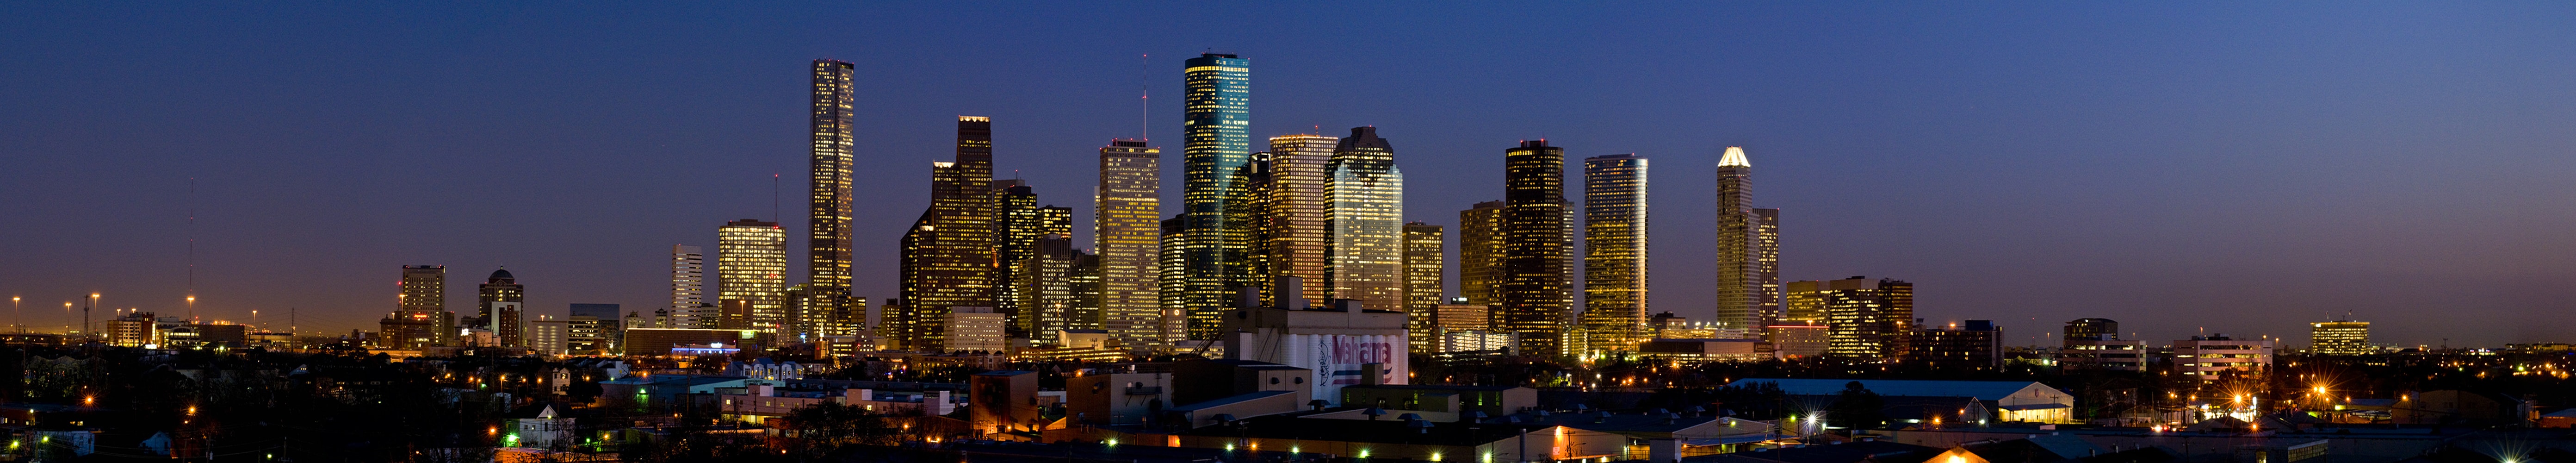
(1144, 96)
(192, 249)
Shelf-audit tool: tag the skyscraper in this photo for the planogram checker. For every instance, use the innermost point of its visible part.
(1766, 263)
(1016, 228)
(826, 303)
(1292, 223)
(1423, 274)
(500, 305)
(1127, 230)
(1044, 289)
(420, 318)
(1172, 318)
(1739, 289)
(1804, 304)
(1367, 216)
(1614, 252)
(1867, 319)
(1216, 149)
(424, 288)
(751, 273)
(1537, 241)
(1480, 253)
(688, 287)
(949, 254)
(2340, 337)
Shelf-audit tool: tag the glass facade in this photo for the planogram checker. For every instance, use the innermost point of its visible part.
(1536, 281)
(828, 223)
(950, 255)
(1366, 192)
(1740, 298)
(1867, 319)
(1614, 252)
(1216, 150)
(1293, 227)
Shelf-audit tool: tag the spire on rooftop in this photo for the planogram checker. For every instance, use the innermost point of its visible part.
(1734, 157)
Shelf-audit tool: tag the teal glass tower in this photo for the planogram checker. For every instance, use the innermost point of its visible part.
(1216, 151)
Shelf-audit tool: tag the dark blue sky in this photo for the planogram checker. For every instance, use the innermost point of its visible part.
(2237, 167)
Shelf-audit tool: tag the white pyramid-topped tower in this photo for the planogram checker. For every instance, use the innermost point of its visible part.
(1734, 157)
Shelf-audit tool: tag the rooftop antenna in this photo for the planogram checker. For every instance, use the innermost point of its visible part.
(773, 197)
(192, 249)
(1144, 95)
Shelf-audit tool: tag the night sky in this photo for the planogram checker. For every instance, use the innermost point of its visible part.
(2236, 167)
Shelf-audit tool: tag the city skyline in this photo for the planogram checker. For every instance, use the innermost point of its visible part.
(1974, 262)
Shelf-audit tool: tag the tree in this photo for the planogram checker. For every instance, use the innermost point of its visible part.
(827, 425)
(1858, 408)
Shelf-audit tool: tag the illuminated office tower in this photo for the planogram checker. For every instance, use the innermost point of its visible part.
(1293, 223)
(949, 254)
(1534, 291)
(2340, 337)
(1216, 149)
(1480, 252)
(826, 305)
(688, 286)
(1866, 319)
(1085, 313)
(1016, 228)
(500, 305)
(1614, 252)
(1172, 320)
(1367, 221)
(1766, 263)
(1803, 304)
(1739, 289)
(420, 318)
(1424, 270)
(424, 288)
(2095, 344)
(1127, 230)
(1044, 288)
(751, 274)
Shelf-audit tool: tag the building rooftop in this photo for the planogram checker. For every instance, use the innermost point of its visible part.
(1844, 452)
(1983, 390)
(1385, 431)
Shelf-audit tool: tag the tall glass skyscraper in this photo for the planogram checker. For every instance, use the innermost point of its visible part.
(1746, 299)
(1128, 232)
(949, 255)
(826, 302)
(1216, 148)
(1293, 223)
(1536, 280)
(1366, 191)
(1614, 251)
